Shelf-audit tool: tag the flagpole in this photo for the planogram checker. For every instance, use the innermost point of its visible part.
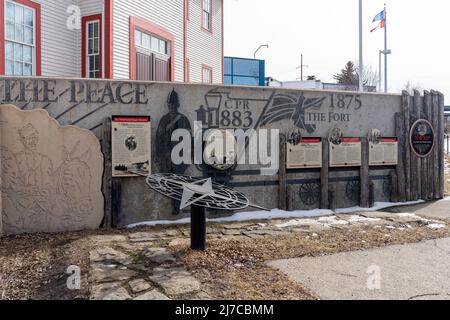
(385, 52)
(361, 64)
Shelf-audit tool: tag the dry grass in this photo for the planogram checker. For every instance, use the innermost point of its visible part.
(237, 269)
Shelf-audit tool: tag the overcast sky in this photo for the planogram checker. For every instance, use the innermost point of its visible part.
(326, 32)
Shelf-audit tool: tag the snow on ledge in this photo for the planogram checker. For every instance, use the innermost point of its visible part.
(278, 214)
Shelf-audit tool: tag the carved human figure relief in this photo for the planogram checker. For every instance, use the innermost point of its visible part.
(51, 175)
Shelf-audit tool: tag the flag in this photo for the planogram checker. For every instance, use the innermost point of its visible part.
(380, 16)
(381, 25)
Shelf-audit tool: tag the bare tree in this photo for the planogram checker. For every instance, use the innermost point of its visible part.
(369, 75)
(410, 88)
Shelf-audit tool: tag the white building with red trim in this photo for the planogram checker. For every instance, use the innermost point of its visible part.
(160, 40)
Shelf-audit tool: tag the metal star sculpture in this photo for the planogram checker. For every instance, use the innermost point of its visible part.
(199, 192)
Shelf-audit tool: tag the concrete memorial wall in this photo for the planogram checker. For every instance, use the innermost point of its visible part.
(341, 121)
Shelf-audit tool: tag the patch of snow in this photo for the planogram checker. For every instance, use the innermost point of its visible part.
(379, 206)
(326, 222)
(436, 226)
(243, 216)
(279, 214)
(332, 221)
(299, 222)
(414, 216)
(354, 219)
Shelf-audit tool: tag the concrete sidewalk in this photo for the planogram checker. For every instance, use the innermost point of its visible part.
(413, 271)
(432, 210)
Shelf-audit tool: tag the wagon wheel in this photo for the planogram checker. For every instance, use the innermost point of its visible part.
(352, 190)
(310, 193)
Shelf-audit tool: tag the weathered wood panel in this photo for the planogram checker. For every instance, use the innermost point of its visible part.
(282, 174)
(416, 171)
(324, 176)
(429, 159)
(406, 106)
(401, 134)
(107, 174)
(365, 175)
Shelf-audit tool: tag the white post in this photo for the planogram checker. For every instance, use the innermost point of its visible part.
(385, 52)
(379, 71)
(361, 64)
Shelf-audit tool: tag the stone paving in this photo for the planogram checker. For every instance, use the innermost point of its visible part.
(141, 266)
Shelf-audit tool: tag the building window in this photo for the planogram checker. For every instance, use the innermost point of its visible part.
(151, 51)
(206, 15)
(92, 47)
(20, 52)
(206, 74)
(149, 42)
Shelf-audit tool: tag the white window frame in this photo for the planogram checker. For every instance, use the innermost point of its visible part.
(209, 71)
(89, 55)
(146, 50)
(33, 46)
(207, 23)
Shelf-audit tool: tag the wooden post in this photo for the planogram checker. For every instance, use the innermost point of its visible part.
(400, 132)
(441, 145)
(416, 161)
(107, 173)
(435, 113)
(365, 175)
(324, 175)
(429, 160)
(394, 191)
(406, 106)
(116, 207)
(282, 176)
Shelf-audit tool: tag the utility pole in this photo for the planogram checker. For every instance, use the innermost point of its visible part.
(301, 68)
(361, 63)
(385, 52)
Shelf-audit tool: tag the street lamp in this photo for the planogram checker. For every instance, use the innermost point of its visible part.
(386, 52)
(259, 48)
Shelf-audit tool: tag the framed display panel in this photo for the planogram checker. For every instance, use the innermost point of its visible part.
(346, 154)
(307, 154)
(383, 153)
(131, 146)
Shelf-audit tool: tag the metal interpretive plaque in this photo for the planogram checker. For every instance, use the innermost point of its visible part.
(131, 146)
(383, 153)
(307, 154)
(346, 154)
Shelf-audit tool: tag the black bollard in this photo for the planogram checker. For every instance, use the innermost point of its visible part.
(198, 228)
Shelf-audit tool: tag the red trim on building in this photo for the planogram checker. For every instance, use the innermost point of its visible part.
(186, 8)
(149, 27)
(210, 31)
(109, 36)
(38, 48)
(206, 67)
(84, 22)
(188, 71)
